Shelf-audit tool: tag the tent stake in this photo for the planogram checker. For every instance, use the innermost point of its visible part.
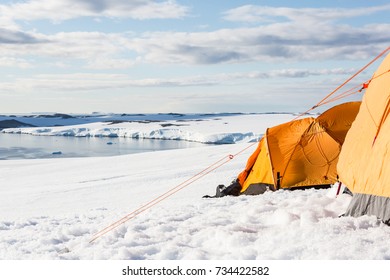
(338, 189)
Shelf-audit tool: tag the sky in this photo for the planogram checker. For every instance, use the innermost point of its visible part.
(139, 56)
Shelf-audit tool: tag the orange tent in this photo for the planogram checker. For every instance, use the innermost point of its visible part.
(300, 153)
(364, 164)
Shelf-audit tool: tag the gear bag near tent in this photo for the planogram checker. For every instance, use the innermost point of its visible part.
(297, 154)
(364, 163)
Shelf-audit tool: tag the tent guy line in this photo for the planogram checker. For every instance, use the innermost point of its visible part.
(170, 192)
(160, 198)
(324, 100)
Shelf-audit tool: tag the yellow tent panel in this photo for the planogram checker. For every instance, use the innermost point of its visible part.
(364, 164)
(260, 171)
(284, 140)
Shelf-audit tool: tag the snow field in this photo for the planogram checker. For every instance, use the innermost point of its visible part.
(49, 206)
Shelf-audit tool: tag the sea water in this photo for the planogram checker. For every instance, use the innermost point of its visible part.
(24, 146)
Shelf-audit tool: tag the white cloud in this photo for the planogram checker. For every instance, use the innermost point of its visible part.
(94, 82)
(274, 42)
(271, 43)
(110, 63)
(60, 10)
(278, 40)
(85, 46)
(12, 37)
(14, 62)
(258, 14)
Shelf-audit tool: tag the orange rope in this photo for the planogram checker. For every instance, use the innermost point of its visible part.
(169, 193)
(343, 95)
(326, 100)
(353, 90)
(379, 75)
(354, 75)
(130, 215)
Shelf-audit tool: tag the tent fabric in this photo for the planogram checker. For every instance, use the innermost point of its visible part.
(300, 153)
(338, 120)
(364, 163)
(363, 204)
(258, 170)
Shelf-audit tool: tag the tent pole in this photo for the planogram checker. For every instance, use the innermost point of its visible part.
(278, 180)
(275, 186)
(338, 189)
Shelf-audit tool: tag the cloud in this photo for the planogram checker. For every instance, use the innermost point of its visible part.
(61, 10)
(104, 63)
(266, 14)
(94, 82)
(14, 62)
(208, 54)
(272, 43)
(8, 36)
(285, 35)
(93, 49)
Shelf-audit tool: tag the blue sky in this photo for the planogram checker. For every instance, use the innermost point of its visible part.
(81, 56)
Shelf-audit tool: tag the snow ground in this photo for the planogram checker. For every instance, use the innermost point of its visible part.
(210, 128)
(48, 205)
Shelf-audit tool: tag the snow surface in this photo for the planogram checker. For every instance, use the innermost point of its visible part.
(51, 208)
(211, 128)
